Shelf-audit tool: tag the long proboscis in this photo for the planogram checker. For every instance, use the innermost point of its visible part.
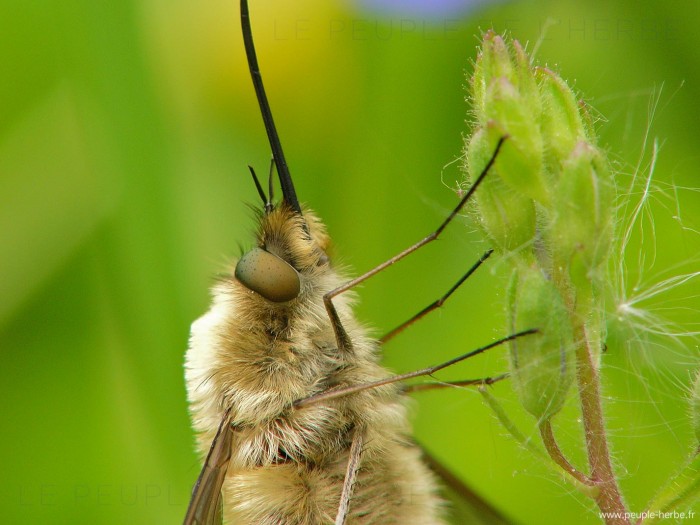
(286, 183)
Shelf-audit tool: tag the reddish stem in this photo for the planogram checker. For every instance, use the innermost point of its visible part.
(550, 443)
(609, 499)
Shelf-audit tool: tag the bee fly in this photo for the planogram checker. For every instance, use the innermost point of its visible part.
(301, 423)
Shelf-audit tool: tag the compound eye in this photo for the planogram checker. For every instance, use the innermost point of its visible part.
(270, 276)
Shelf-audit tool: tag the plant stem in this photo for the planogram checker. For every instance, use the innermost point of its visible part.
(588, 489)
(550, 443)
(609, 499)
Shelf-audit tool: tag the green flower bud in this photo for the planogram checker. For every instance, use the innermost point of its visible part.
(526, 81)
(520, 160)
(549, 203)
(562, 125)
(492, 62)
(507, 102)
(582, 212)
(507, 216)
(542, 365)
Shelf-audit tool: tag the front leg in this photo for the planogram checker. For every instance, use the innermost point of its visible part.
(341, 336)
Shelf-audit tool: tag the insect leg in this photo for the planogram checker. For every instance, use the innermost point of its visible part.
(341, 336)
(351, 389)
(436, 304)
(205, 503)
(350, 477)
(484, 381)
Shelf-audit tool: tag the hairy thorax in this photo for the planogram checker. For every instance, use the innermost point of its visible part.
(257, 358)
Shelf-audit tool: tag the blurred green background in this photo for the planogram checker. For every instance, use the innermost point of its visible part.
(125, 131)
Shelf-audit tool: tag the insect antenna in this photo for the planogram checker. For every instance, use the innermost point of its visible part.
(288, 192)
(261, 192)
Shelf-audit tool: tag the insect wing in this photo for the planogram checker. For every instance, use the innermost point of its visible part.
(205, 503)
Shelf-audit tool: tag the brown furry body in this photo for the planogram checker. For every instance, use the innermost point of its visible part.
(258, 357)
